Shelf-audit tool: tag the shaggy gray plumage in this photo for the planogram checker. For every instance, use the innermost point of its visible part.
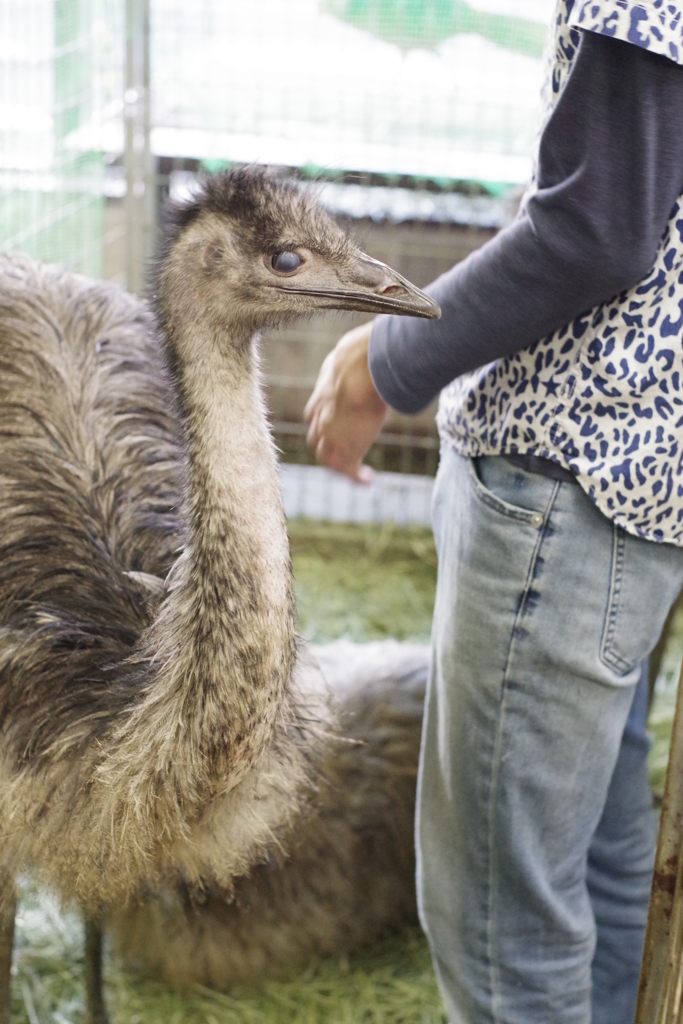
(149, 720)
(349, 871)
(120, 724)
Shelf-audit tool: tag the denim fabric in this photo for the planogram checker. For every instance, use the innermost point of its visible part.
(619, 875)
(544, 614)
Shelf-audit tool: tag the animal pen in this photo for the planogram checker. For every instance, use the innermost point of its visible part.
(414, 121)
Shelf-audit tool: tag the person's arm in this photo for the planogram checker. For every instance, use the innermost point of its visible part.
(609, 171)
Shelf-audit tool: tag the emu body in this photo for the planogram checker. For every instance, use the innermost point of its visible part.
(133, 716)
(148, 720)
(348, 874)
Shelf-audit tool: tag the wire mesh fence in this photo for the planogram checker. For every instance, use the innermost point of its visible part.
(414, 120)
(59, 70)
(439, 89)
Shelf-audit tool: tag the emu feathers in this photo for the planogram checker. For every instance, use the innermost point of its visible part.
(150, 720)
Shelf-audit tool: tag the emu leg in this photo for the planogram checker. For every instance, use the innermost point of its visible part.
(7, 912)
(95, 1010)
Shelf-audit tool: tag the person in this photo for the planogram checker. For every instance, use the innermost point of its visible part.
(558, 518)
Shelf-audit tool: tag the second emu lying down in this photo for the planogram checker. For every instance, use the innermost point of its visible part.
(349, 870)
(147, 719)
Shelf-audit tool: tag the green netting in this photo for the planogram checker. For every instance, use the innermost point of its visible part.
(62, 225)
(424, 23)
(441, 89)
(445, 90)
(51, 188)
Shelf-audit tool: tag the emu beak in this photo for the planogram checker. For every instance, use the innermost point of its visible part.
(367, 285)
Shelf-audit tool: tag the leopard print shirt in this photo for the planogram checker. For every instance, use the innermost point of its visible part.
(603, 396)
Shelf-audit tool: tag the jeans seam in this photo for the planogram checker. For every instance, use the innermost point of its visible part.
(607, 656)
(494, 981)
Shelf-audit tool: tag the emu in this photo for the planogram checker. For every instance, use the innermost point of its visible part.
(149, 721)
(348, 872)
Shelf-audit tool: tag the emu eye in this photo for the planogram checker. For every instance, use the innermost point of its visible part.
(285, 262)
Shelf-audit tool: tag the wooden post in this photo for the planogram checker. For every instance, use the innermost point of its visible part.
(661, 975)
(8, 908)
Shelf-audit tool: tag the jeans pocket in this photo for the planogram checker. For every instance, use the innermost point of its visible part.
(511, 491)
(644, 583)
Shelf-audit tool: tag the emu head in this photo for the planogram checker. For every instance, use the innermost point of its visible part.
(254, 252)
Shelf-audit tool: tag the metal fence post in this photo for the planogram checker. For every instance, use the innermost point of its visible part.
(140, 207)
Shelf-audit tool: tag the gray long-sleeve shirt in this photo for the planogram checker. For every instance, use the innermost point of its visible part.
(610, 168)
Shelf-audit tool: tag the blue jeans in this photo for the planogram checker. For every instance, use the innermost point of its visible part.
(535, 830)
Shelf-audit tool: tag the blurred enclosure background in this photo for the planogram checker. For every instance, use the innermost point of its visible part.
(415, 119)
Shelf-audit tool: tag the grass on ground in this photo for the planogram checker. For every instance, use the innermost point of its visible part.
(363, 583)
(392, 983)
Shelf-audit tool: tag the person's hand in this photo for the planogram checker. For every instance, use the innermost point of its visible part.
(345, 412)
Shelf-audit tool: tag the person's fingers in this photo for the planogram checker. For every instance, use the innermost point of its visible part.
(336, 457)
(313, 433)
(338, 444)
(364, 474)
(321, 386)
(344, 412)
(322, 431)
(326, 453)
(311, 405)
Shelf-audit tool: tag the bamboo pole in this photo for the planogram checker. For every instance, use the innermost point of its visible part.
(660, 989)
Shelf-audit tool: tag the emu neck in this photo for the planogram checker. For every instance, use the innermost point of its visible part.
(236, 517)
(231, 603)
